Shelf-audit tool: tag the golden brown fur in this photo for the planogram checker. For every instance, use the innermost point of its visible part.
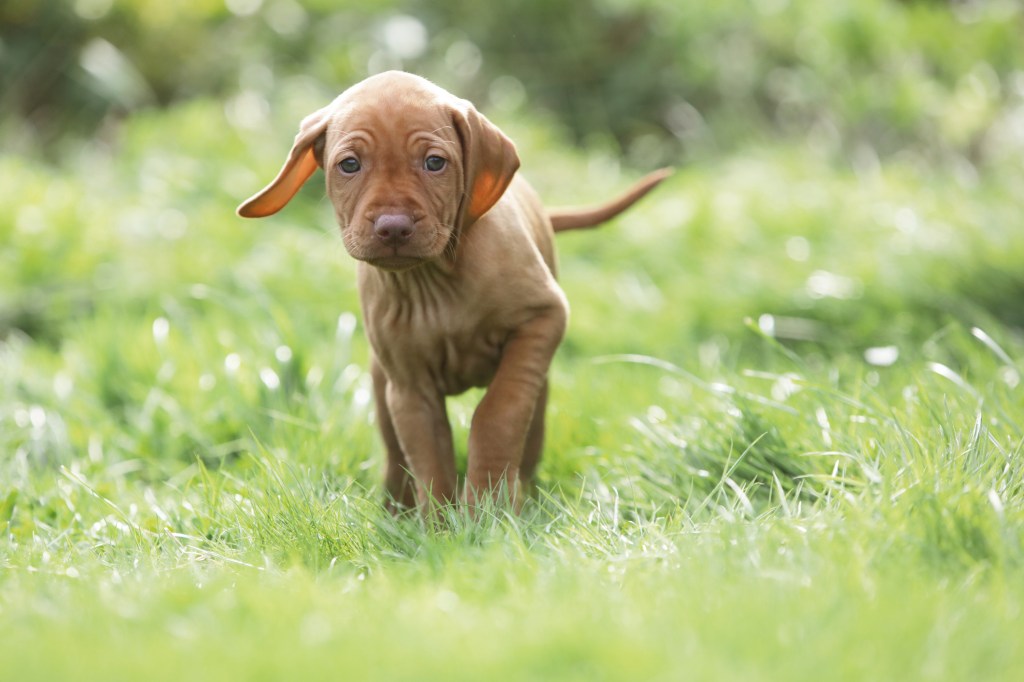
(456, 275)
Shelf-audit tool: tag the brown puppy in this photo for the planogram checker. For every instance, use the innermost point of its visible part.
(456, 275)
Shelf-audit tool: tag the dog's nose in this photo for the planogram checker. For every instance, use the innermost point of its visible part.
(393, 228)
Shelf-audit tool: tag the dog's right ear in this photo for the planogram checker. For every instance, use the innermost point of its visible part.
(302, 162)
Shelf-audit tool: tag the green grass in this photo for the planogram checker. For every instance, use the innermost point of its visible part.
(731, 489)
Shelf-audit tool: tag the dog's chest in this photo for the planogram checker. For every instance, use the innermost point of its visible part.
(451, 358)
(447, 345)
(464, 361)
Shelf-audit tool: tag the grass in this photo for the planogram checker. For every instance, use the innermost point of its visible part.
(785, 431)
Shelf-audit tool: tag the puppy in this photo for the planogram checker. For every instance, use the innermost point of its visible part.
(456, 277)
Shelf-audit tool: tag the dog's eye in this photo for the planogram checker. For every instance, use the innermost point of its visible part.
(349, 165)
(434, 163)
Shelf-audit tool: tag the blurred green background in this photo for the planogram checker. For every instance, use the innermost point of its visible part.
(658, 80)
(849, 180)
(798, 106)
(785, 430)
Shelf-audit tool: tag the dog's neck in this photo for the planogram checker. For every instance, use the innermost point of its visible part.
(424, 280)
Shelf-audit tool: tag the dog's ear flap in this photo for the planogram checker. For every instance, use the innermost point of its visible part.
(489, 160)
(302, 162)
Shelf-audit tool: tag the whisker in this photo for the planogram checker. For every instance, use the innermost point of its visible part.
(452, 245)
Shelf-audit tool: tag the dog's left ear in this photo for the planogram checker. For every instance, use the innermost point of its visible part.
(489, 161)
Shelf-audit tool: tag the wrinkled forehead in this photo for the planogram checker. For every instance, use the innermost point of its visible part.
(396, 104)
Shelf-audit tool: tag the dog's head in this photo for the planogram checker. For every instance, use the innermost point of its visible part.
(408, 166)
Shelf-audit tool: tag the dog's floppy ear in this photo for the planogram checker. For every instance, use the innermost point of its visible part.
(489, 161)
(301, 164)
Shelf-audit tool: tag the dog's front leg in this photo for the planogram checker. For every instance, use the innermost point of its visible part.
(421, 427)
(510, 415)
(398, 481)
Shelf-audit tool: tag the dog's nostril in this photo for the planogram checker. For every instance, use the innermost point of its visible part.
(393, 227)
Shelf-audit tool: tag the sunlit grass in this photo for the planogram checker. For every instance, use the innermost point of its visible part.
(785, 434)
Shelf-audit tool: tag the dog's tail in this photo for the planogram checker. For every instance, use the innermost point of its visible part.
(574, 218)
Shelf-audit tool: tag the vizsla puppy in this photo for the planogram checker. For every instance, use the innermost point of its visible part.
(456, 276)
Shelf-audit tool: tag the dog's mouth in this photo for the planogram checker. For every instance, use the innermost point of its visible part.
(395, 263)
(391, 257)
